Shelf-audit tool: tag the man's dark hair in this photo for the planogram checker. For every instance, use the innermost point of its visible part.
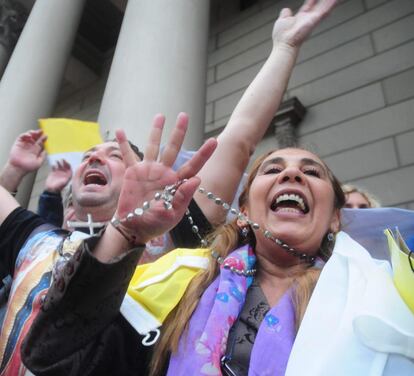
(135, 149)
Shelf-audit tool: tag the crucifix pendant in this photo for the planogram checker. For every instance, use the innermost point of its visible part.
(168, 194)
(89, 224)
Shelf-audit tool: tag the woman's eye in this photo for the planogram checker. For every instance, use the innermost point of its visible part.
(312, 172)
(273, 170)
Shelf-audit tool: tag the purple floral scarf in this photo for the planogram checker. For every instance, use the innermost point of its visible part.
(202, 347)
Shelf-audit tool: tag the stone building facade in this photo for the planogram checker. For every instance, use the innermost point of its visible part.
(355, 76)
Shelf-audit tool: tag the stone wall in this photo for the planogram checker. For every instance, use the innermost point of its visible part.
(355, 75)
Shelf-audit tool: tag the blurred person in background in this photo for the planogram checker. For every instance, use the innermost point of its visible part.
(357, 198)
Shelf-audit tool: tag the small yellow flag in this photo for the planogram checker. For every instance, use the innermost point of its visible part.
(403, 273)
(160, 285)
(69, 139)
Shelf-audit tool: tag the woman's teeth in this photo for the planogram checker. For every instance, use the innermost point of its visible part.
(290, 199)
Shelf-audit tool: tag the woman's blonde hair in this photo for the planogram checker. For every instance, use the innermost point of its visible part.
(373, 202)
(224, 240)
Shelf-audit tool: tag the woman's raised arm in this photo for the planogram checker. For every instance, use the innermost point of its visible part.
(255, 110)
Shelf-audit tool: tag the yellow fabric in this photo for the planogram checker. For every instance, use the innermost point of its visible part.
(69, 135)
(403, 275)
(161, 297)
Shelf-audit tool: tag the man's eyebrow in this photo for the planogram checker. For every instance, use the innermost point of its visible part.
(90, 150)
(112, 148)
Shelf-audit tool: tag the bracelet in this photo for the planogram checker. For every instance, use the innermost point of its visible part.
(167, 196)
(14, 193)
(131, 239)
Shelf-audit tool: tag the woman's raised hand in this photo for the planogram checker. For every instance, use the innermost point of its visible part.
(292, 29)
(142, 180)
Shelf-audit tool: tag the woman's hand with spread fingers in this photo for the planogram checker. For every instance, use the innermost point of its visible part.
(292, 29)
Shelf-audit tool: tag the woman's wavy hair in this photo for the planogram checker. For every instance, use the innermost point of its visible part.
(224, 240)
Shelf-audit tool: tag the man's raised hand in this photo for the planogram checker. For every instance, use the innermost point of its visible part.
(142, 180)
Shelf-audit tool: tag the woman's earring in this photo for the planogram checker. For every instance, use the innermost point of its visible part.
(330, 237)
(245, 231)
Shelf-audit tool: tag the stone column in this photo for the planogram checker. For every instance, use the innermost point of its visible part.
(33, 75)
(12, 19)
(159, 67)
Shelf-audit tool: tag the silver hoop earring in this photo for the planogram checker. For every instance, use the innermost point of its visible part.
(330, 237)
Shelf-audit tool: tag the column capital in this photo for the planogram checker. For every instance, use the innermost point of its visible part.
(286, 121)
(13, 16)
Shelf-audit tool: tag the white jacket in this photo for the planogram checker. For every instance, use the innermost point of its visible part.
(356, 322)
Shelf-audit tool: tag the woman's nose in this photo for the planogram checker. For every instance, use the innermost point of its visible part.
(292, 175)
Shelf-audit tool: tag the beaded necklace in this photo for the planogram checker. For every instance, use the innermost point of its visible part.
(167, 196)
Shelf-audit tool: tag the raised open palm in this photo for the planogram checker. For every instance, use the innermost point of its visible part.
(27, 152)
(59, 176)
(142, 180)
(292, 29)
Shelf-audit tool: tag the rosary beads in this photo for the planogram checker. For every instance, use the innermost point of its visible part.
(167, 197)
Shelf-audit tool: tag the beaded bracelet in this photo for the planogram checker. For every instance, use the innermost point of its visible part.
(166, 196)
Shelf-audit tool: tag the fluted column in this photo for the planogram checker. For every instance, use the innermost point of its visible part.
(31, 81)
(159, 66)
(12, 19)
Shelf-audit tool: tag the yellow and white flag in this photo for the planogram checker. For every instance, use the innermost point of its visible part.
(68, 139)
(402, 261)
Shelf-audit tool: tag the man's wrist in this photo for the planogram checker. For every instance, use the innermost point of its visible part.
(113, 245)
(52, 192)
(131, 239)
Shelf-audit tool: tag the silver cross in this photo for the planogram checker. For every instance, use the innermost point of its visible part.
(168, 194)
(89, 224)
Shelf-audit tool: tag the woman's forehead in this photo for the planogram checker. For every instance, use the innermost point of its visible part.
(292, 154)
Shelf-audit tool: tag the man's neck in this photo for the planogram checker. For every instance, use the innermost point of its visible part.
(99, 214)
